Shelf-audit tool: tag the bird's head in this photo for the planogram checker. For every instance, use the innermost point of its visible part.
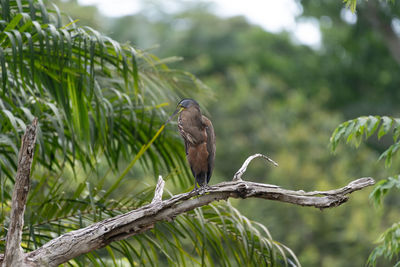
(185, 103)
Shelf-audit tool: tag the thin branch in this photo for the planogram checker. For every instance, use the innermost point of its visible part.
(159, 190)
(242, 170)
(13, 255)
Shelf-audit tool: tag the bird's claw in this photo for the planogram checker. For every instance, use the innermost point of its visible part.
(201, 190)
(195, 190)
(207, 187)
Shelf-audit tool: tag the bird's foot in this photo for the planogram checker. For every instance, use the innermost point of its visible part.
(201, 190)
(195, 190)
(204, 188)
(207, 187)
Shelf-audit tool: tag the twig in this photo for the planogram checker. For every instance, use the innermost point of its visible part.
(242, 170)
(159, 190)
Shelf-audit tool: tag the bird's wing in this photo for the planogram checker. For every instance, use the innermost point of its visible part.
(186, 146)
(210, 145)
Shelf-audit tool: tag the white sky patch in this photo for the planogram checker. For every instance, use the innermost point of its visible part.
(348, 16)
(396, 26)
(272, 15)
(308, 33)
(114, 8)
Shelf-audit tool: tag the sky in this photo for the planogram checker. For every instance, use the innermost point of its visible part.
(272, 15)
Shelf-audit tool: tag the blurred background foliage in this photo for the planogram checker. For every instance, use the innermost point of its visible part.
(269, 94)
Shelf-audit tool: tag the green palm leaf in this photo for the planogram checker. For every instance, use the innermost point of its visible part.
(83, 86)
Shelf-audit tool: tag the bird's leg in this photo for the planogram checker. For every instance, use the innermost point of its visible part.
(204, 187)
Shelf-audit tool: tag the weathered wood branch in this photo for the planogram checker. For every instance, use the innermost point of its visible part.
(242, 170)
(100, 234)
(14, 255)
(159, 190)
(75, 243)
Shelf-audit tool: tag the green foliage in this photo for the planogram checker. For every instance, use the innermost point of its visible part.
(389, 246)
(383, 187)
(356, 131)
(352, 4)
(84, 88)
(359, 129)
(389, 241)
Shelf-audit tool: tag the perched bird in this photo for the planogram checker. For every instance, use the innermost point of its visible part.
(198, 135)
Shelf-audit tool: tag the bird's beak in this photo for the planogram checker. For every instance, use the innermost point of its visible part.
(178, 110)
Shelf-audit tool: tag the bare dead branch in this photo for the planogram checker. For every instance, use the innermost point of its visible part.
(13, 255)
(159, 190)
(75, 243)
(242, 170)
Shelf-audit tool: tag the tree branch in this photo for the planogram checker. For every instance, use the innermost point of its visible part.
(242, 170)
(13, 255)
(159, 190)
(75, 243)
(100, 234)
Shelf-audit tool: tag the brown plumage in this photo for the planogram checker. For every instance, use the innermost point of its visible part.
(197, 132)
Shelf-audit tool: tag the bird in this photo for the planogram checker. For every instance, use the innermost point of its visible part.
(198, 135)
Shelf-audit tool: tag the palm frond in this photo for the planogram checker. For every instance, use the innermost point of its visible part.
(92, 94)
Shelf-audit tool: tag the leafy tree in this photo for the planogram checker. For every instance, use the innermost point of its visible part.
(99, 102)
(355, 131)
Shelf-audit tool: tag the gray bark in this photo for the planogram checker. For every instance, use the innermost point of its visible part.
(98, 235)
(13, 255)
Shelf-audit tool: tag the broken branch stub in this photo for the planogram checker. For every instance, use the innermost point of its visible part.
(14, 256)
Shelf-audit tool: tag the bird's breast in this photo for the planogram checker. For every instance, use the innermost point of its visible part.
(198, 157)
(191, 132)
